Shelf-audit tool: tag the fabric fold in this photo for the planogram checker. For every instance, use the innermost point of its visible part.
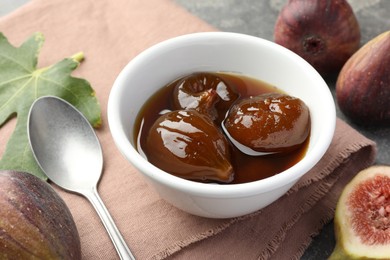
(284, 229)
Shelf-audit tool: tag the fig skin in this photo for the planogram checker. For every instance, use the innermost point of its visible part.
(271, 122)
(362, 218)
(323, 32)
(363, 85)
(205, 92)
(187, 144)
(35, 222)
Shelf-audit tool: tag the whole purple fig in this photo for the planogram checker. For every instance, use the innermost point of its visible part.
(35, 222)
(363, 85)
(323, 32)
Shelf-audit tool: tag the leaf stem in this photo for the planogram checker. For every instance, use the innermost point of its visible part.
(78, 57)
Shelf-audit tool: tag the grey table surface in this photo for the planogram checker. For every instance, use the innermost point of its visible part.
(257, 18)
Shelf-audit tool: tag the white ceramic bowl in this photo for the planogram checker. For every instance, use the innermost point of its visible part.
(219, 51)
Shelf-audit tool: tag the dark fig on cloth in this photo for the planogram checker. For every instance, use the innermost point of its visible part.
(35, 222)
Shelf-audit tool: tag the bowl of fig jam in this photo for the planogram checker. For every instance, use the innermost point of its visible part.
(221, 124)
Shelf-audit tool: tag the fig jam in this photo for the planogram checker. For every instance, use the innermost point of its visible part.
(246, 168)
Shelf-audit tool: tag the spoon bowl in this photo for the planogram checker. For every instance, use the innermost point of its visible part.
(69, 153)
(59, 137)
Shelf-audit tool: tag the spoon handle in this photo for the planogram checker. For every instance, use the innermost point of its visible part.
(116, 237)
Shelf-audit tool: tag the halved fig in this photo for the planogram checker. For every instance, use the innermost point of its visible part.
(205, 92)
(362, 220)
(187, 144)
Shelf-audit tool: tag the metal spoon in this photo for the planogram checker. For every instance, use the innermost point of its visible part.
(68, 151)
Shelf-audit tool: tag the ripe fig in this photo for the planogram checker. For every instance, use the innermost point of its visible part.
(324, 33)
(363, 85)
(271, 122)
(205, 92)
(362, 218)
(35, 222)
(187, 144)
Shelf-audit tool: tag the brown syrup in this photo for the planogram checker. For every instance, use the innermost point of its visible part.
(246, 168)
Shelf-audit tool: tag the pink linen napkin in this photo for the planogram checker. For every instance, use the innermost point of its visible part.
(111, 33)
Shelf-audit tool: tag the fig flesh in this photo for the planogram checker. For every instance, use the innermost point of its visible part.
(363, 85)
(324, 33)
(205, 92)
(35, 222)
(187, 144)
(270, 122)
(362, 218)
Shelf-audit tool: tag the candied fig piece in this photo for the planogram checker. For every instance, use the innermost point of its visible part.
(205, 92)
(270, 122)
(187, 144)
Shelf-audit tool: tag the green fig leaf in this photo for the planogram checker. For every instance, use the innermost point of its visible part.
(21, 83)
